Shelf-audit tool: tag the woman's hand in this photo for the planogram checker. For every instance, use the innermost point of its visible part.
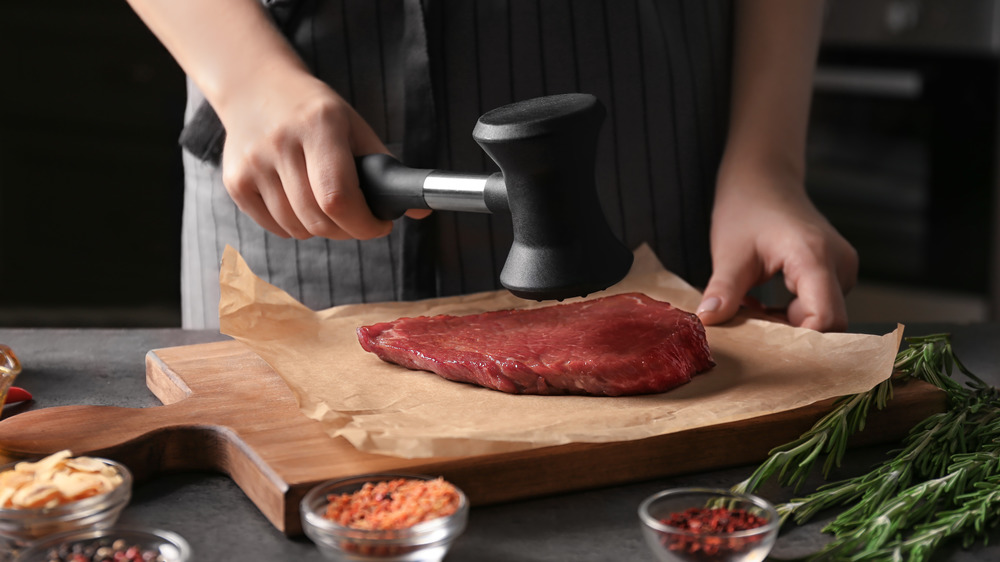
(758, 232)
(288, 161)
(763, 222)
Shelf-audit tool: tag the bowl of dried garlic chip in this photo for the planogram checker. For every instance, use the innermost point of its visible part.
(59, 493)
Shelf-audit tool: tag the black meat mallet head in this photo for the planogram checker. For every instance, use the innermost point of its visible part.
(546, 150)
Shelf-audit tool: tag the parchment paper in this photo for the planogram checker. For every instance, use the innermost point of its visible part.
(762, 367)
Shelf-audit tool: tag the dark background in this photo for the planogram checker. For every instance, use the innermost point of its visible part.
(90, 178)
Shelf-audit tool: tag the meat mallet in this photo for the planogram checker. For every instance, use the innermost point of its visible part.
(545, 148)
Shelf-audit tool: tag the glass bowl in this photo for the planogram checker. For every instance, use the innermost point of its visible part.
(428, 541)
(19, 526)
(10, 367)
(678, 544)
(169, 546)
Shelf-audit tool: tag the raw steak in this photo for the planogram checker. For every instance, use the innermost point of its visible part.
(612, 346)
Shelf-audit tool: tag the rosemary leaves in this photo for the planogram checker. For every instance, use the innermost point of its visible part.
(944, 481)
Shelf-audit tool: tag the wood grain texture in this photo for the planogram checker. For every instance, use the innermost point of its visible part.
(225, 409)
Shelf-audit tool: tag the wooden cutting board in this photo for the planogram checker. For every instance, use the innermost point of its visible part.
(225, 409)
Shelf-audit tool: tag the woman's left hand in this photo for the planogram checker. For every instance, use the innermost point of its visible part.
(758, 231)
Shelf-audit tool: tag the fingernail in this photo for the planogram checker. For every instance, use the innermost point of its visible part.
(711, 304)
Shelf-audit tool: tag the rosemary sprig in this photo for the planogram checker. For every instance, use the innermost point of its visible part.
(932, 359)
(881, 482)
(944, 481)
(919, 508)
(980, 510)
(925, 358)
(928, 450)
(793, 462)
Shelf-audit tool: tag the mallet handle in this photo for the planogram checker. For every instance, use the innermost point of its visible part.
(391, 188)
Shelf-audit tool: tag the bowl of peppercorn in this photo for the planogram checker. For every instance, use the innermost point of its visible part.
(114, 544)
(385, 517)
(705, 524)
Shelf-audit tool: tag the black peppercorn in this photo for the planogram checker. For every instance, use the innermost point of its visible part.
(103, 550)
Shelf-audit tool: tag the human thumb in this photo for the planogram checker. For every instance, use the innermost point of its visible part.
(723, 294)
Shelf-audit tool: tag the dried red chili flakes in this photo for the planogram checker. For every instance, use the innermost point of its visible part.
(394, 504)
(707, 523)
(714, 520)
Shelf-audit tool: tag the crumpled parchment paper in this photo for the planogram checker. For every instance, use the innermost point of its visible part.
(762, 367)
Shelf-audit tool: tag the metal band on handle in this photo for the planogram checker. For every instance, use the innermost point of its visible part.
(455, 192)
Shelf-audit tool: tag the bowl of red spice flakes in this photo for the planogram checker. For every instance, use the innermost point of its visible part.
(705, 524)
(385, 517)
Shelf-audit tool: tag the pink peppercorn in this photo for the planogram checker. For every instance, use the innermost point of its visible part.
(703, 523)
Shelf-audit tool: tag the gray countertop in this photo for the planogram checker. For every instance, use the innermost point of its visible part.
(106, 367)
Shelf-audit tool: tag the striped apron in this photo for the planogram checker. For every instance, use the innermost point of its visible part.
(421, 73)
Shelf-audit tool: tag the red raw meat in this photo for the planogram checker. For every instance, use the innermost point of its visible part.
(612, 346)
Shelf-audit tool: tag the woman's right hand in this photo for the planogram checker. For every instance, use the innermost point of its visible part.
(288, 161)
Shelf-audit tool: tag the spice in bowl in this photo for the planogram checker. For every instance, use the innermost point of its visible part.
(385, 517)
(55, 480)
(59, 493)
(395, 504)
(102, 550)
(711, 522)
(697, 524)
(114, 544)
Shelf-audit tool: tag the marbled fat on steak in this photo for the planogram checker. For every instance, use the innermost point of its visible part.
(612, 346)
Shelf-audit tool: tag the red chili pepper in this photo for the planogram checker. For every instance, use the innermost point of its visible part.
(16, 394)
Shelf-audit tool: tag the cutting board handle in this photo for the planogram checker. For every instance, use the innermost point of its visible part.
(109, 431)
